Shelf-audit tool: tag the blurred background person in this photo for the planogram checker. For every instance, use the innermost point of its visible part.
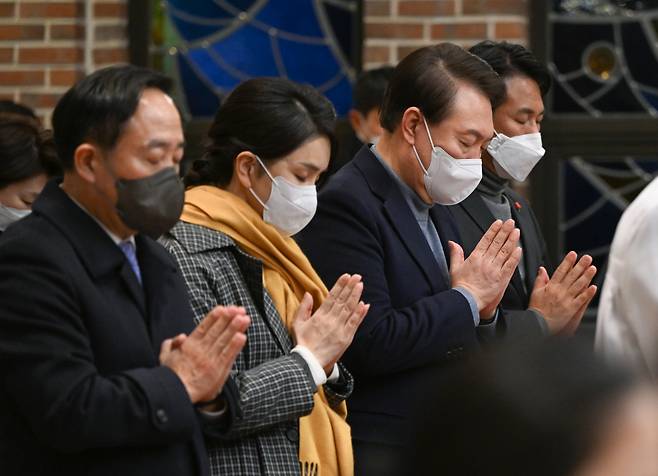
(27, 160)
(11, 107)
(545, 410)
(627, 324)
(533, 304)
(362, 123)
(269, 143)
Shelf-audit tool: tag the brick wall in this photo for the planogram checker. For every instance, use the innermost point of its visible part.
(394, 28)
(43, 44)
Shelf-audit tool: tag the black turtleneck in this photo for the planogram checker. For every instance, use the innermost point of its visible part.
(491, 189)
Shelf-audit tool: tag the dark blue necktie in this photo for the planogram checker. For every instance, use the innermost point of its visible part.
(128, 249)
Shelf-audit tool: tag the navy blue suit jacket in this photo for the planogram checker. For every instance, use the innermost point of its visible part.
(82, 390)
(416, 322)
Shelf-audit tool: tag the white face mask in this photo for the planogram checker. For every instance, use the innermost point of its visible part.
(515, 157)
(290, 207)
(448, 181)
(10, 215)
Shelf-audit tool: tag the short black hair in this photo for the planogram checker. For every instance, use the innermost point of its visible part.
(370, 88)
(11, 107)
(26, 150)
(428, 78)
(509, 59)
(269, 117)
(98, 106)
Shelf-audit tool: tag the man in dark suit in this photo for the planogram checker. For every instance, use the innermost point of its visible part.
(101, 370)
(533, 304)
(381, 217)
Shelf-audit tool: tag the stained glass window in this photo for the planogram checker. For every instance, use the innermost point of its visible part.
(210, 46)
(595, 191)
(604, 57)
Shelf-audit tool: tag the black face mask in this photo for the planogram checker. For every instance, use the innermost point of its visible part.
(151, 205)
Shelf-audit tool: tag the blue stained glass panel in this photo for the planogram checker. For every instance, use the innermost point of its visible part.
(205, 102)
(594, 195)
(292, 16)
(207, 9)
(249, 51)
(340, 95)
(343, 23)
(651, 99)
(193, 31)
(612, 41)
(209, 69)
(639, 55)
(319, 64)
(619, 99)
(224, 42)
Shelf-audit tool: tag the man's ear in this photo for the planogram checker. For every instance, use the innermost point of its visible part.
(411, 120)
(243, 165)
(85, 161)
(355, 119)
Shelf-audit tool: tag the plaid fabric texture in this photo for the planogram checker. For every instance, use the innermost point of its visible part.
(275, 386)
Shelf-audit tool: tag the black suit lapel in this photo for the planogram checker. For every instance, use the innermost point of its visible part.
(100, 256)
(159, 272)
(398, 213)
(132, 285)
(476, 208)
(407, 228)
(446, 227)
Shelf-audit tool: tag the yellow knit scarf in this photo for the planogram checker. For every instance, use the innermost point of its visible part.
(325, 443)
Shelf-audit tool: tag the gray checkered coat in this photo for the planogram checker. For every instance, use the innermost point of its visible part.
(275, 387)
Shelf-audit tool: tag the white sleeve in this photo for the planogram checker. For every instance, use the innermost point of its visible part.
(627, 326)
(319, 376)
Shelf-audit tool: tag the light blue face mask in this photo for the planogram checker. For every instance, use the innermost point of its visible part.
(9, 215)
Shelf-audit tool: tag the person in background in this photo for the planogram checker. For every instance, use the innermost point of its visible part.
(102, 370)
(27, 160)
(383, 216)
(362, 124)
(11, 107)
(268, 145)
(542, 409)
(533, 304)
(627, 321)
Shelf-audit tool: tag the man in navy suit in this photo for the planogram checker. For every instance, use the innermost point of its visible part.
(102, 370)
(383, 216)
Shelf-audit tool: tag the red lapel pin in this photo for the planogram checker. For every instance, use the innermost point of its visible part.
(517, 205)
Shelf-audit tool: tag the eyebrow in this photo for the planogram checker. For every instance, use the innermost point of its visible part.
(527, 110)
(158, 143)
(311, 167)
(477, 134)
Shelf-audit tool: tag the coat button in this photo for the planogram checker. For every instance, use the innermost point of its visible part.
(292, 434)
(162, 416)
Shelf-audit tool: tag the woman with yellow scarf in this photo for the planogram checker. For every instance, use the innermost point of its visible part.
(253, 189)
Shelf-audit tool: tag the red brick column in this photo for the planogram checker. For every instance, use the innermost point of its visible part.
(42, 47)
